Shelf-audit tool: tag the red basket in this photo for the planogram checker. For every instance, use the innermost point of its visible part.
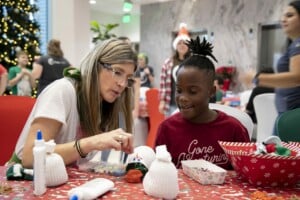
(263, 170)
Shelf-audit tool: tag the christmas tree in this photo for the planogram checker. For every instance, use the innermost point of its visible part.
(18, 30)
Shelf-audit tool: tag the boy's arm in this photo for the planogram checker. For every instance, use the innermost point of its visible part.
(14, 78)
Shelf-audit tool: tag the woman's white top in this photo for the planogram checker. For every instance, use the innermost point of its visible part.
(58, 101)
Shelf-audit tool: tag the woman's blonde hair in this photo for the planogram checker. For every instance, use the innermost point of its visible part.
(97, 115)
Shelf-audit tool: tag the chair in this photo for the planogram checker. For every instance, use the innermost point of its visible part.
(155, 117)
(14, 111)
(244, 97)
(266, 114)
(141, 127)
(234, 112)
(288, 127)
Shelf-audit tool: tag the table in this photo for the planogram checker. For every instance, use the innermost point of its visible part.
(233, 188)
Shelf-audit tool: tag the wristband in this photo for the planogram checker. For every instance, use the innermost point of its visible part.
(78, 148)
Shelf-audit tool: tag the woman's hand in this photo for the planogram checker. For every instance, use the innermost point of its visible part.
(247, 77)
(117, 139)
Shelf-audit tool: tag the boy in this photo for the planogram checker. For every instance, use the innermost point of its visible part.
(20, 78)
(194, 132)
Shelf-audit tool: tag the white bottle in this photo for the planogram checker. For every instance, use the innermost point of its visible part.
(91, 189)
(39, 160)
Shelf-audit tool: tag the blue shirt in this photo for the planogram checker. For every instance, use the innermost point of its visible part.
(288, 98)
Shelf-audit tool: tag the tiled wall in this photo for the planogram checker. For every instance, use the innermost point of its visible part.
(229, 20)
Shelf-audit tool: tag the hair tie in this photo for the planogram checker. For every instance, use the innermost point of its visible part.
(72, 72)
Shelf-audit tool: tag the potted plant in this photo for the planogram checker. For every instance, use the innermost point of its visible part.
(102, 31)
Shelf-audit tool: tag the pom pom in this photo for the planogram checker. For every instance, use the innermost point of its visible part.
(270, 148)
(134, 176)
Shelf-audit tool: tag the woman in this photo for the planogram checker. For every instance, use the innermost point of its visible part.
(81, 111)
(168, 73)
(287, 81)
(50, 67)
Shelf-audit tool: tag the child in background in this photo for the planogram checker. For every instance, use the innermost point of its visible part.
(20, 79)
(217, 98)
(194, 132)
(146, 72)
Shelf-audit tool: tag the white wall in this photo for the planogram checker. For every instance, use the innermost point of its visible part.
(70, 24)
(229, 20)
(131, 30)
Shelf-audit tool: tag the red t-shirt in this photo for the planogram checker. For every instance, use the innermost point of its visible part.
(190, 141)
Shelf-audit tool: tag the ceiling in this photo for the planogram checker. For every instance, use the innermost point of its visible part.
(116, 6)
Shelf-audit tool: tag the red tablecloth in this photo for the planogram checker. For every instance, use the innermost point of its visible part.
(233, 188)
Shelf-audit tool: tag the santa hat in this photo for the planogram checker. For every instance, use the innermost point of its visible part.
(183, 34)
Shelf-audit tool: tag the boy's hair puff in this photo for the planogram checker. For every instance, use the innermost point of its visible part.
(199, 59)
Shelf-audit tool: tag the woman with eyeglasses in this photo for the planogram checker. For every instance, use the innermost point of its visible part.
(80, 112)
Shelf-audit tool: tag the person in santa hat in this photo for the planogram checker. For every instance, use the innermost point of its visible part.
(167, 103)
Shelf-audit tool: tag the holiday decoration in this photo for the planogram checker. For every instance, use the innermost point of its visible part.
(254, 164)
(138, 164)
(228, 74)
(183, 34)
(18, 30)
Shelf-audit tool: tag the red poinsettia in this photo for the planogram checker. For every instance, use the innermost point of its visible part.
(227, 73)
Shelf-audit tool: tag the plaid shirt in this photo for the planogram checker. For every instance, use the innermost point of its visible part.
(165, 83)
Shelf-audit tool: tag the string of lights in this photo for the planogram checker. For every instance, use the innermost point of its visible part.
(18, 30)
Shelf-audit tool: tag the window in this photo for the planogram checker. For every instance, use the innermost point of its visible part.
(43, 18)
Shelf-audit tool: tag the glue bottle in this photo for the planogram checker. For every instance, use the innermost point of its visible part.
(39, 161)
(91, 189)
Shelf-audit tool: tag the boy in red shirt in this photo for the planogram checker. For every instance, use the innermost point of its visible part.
(194, 132)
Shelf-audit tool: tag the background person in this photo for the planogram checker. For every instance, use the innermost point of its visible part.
(20, 79)
(167, 103)
(218, 82)
(257, 90)
(141, 124)
(286, 81)
(146, 72)
(194, 132)
(81, 111)
(50, 67)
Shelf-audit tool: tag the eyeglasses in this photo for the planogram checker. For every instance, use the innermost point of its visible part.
(119, 76)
